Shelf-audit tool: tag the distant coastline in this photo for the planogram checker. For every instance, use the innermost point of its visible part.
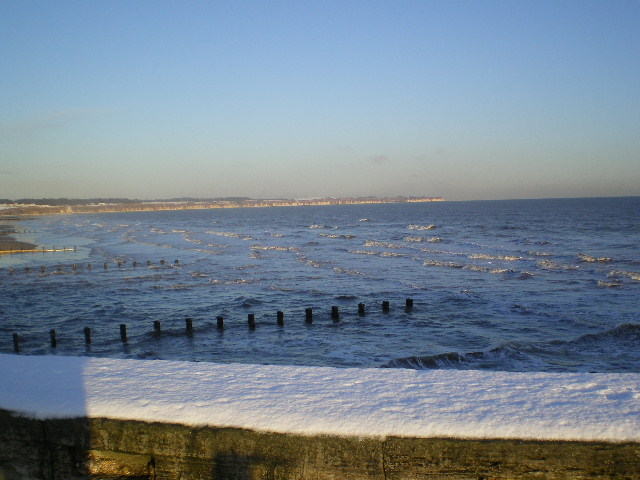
(66, 206)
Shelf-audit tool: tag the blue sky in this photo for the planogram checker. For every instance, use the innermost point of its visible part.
(462, 99)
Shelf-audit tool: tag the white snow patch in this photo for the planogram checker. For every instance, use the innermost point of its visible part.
(324, 400)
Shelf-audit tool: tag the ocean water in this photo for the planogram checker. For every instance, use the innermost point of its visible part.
(526, 285)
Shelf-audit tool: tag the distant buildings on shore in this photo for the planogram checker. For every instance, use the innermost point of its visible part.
(60, 206)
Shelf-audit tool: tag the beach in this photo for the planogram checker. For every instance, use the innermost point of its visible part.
(8, 243)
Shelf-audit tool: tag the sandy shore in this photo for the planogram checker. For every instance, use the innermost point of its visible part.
(8, 243)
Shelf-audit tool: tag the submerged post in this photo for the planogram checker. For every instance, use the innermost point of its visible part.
(252, 320)
(52, 335)
(16, 343)
(220, 321)
(408, 304)
(156, 327)
(123, 332)
(280, 317)
(361, 307)
(385, 306)
(87, 336)
(308, 315)
(335, 313)
(189, 324)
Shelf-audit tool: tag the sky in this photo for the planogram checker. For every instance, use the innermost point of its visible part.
(296, 99)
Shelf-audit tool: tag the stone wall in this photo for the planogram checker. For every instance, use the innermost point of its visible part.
(90, 448)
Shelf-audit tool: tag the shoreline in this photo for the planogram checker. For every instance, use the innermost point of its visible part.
(8, 243)
(203, 205)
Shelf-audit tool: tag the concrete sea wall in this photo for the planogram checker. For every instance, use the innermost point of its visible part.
(94, 448)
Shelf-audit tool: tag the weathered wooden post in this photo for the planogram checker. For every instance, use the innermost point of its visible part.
(162, 262)
(123, 332)
(52, 336)
(220, 321)
(408, 304)
(189, 324)
(87, 336)
(385, 306)
(90, 266)
(16, 343)
(148, 262)
(59, 267)
(280, 317)
(361, 311)
(105, 265)
(335, 313)
(43, 269)
(26, 270)
(156, 327)
(135, 264)
(308, 315)
(75, 267)
(252, 321)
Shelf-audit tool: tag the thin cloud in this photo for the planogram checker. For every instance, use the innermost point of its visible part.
(379, 160)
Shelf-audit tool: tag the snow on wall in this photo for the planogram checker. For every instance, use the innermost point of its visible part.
(324, 400)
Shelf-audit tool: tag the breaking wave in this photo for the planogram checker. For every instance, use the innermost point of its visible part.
(615, 347)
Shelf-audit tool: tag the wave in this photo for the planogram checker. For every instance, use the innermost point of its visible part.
(588, 258)
(363, 252)
(421, 227)
(230, 235)
(271, 247)
(436, 263)
(614, 350)
(374, 243)
(551, 265)
(482, 256)
(622, 273)
(333, 235)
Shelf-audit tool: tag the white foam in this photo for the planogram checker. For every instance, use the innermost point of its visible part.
(324, 400)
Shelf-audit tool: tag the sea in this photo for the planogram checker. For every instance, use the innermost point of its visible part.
(547, 285)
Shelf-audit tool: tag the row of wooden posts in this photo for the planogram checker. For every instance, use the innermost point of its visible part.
(335, 316)
(75, 266)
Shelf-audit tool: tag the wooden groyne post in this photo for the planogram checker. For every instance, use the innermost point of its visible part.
(408, 304)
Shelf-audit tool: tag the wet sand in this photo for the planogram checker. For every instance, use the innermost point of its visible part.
(8, 243)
